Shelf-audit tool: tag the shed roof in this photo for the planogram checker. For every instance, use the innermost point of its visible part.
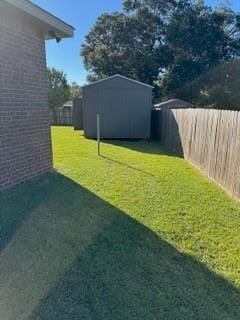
(121, 77)
(173, 103)
(52, 26)
(68, 104)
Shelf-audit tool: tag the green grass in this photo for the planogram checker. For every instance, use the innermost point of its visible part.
(135, 234)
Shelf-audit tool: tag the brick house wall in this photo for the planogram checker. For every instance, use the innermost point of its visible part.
(25, 144)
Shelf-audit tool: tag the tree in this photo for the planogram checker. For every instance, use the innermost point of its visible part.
(166, 43)
(156, 7)
(218, 87)
(198, 38)
(115, 46)
(75, 90)
(58, 90)
(128, 42)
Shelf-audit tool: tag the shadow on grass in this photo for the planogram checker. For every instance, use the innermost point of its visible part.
(126, 165)
(151, 146)
(75, 256)
(16, 205)
(165, 132)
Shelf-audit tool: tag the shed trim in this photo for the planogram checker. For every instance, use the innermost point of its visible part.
(118, 76)
(62, 29)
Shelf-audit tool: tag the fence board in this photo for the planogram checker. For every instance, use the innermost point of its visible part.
(210, 139)
(63, 117)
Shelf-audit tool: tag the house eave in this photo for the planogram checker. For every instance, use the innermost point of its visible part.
(53, 26)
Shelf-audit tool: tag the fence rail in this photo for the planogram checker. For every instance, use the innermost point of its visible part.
(210, 139)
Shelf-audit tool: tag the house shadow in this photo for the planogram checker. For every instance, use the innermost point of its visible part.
(75, 256)
(16, 204)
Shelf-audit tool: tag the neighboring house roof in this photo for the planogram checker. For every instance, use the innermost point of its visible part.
(68, 104)
(119, 76)
(173, 103)
(53, 27)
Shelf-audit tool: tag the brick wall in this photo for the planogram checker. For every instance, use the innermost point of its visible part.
(25, 147)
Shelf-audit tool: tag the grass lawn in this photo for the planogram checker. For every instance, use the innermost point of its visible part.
(134, 234)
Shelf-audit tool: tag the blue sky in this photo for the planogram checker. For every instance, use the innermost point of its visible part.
(82, 14)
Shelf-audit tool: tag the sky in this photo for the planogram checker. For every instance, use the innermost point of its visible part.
(82, 14)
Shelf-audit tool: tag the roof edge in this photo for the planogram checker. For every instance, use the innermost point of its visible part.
(117, 75)
(65, 30)
(175, 101)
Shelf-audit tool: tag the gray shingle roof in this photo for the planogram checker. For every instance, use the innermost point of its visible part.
(173, 103)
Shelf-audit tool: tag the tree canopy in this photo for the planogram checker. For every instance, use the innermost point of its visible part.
(117, 45)
(166, 43)
(217, 88)
(58, 89)
(198, 39)
(75, 90)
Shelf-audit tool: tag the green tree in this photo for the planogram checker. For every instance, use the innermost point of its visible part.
(167, 43)
(198, 38)
(75, 90)
(58, 90)
(115, 45)
(218, 87)
(127, 43)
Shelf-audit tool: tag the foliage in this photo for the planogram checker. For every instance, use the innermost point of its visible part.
(198, 38)
(166, 43)
(58, 89)
(218, 88)
(108, 46)
(156, 7)
(75, 90)
(126, 43)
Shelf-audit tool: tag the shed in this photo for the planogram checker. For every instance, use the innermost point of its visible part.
(68, 106)
(25, 146)
(157, 114)
(173, 104)
(78, 113)
(124, 106)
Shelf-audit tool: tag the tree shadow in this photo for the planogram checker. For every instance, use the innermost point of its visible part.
(75, 256)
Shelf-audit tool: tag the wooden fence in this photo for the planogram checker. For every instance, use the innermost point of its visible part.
(210, 139)
(62, 117)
